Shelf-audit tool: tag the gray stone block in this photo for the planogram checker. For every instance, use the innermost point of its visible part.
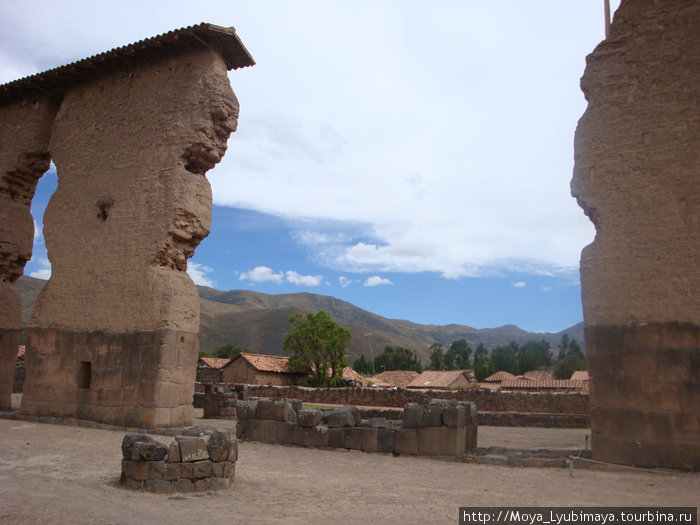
(339, 418)
(353, 437)
(406, 441)
(379, 422)
(336, 438)
(186, 470)
(134, 484)
(149, 451)
(158, 486)
(432, 417)
(386, 439)
(429, 441)
(174, 452)
(128, 443)
(192, 448)
(296, 404)
(217, 470)
(246, 409)
(202, 469)
(229, 469)
(219, 444)
(454, 415)
(287, 433)
(309, 418)
(156, 469)
(355, 413)
(470, 412)
(137, 470)
(233, 451)
(275, 410)
(413, 415)
(172, 471)
(183, 485)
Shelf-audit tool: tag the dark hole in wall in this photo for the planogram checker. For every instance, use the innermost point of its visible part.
(84, 374)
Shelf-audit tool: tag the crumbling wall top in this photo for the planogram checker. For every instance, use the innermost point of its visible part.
(55, 82)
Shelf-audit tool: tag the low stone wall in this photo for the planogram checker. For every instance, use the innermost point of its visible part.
(487, 401)
(521, 419)
(196, 461)
(438, 428)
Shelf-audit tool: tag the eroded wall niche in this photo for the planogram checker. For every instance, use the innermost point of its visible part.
(637, 177)
(114, 332)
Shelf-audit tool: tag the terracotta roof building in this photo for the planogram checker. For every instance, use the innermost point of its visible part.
(259, 369)
(440, 380)
(540, 385)
(580, 375)
(498, 377)
(213, 362)
(397, 378)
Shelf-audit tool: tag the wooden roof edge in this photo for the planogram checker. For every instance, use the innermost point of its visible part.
(58, 80)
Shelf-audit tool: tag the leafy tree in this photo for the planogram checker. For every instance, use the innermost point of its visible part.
(482, 366)
(229, 351)
(504, 358)
(397, 358)
(362, 365)
(437, 357)
(480, 351)
(533, 355)
(563, 346)
(461, 350)
(317, 345)
(572, 361)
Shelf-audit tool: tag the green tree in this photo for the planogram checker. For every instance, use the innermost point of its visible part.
(397, 358)
(574, 360)
(504, 358)
(563, 346)
(362, 365)
(317, 345)
(461, 351)
(437, 357)
(482, 366)
(533, 355)
(229, 351)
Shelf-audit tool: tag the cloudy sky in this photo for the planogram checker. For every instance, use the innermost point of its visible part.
(413, 158)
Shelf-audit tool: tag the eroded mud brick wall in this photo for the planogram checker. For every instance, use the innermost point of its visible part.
(24, 157)
(114, 335)
(638, 179)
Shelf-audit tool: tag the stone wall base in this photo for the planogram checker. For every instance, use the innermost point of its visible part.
(645, 394)
(9, 342)
(133, 379)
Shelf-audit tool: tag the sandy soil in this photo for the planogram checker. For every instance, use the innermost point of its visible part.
(61, 474)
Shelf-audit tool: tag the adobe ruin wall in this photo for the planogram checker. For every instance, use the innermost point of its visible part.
(637, 178)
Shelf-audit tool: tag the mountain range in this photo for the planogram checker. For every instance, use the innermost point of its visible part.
(259, 322)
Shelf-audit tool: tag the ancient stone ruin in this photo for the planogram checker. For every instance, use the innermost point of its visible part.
(132, 133)
(637, 178)
(195, 461)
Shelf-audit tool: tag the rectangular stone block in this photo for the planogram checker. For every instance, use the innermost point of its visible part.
(156, 469)
(287, 433)
(246, 409)
(263, 430)
(158, 486)
(432, 416)
(233, 451)
(407, 441)
(471, 437)
(452, 441)
(192, 448)
(429, 439)
(202, 469)
(369, 439)
(217, 469)
(183, 485)
(229, 469)
(172, 471)
(276, 410)
(309, 418)
(336, 437)
(353, 437)
(174, 452)
(221, 483)
(137, 470)
(186, 470)
(454, 416)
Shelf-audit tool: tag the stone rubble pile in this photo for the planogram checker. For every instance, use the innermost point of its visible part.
(196, 461)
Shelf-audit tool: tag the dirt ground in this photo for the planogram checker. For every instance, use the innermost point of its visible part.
(62, 474)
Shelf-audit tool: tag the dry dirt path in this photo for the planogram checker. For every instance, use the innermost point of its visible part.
(61, 474)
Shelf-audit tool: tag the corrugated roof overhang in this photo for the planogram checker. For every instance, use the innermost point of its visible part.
(55, 82)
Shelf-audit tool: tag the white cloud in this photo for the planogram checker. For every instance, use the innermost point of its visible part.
(344, 281)
(38, 233)
(375, 280)
(303, 280)
(44, 272)
(520, 284)
(197, 273)
(262, 274)
(458, 166)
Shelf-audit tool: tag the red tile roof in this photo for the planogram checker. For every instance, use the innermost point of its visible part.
(58, 80)
(436, 379)
(499, 376)
(580, 375)
(213, 362)
(350, 373)
(543, 374)
(397, 378)
(550, 384)
(267, 363)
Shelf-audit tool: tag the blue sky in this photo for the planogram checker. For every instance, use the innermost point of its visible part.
(412, 160)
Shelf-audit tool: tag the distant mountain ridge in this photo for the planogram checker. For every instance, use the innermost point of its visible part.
(259, 322)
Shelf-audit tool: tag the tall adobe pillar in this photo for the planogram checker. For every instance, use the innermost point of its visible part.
(24, 157)
(114, 332)
(637, 176)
